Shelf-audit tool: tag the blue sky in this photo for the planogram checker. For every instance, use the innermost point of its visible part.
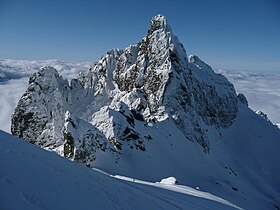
(234, 35)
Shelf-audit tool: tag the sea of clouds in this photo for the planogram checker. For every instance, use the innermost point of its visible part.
(261, 89)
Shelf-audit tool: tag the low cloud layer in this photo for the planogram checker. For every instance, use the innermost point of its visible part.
(10, 93)
(261, 90)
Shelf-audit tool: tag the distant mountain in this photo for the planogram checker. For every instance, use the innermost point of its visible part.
(149, 112)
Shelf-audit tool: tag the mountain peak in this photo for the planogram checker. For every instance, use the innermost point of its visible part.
(152, 80)
(150, 105)
(158, 22)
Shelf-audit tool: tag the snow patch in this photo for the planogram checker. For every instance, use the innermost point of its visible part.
(169, 180)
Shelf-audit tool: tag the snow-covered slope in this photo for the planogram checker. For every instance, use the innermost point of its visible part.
(149, 112)
(31, 178)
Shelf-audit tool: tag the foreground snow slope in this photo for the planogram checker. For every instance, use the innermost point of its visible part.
(32, 178)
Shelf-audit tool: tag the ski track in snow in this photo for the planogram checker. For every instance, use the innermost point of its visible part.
(179, 188)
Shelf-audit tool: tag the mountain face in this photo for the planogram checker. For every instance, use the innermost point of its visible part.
(150, 81)
(150, 111)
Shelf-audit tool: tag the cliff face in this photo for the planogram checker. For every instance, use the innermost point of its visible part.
(147, 82)
(40, 112)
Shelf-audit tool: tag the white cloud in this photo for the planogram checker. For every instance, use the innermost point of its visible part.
(262, 90)
(10, 93)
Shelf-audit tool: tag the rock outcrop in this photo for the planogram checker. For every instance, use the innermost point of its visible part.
(106, 108)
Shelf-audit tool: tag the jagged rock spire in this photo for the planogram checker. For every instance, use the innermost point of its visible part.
(152, 80)
(159, 22)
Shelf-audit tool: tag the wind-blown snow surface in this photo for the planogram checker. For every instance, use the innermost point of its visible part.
(32, 178)
(14, 75)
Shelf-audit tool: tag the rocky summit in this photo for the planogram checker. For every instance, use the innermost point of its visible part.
(150, 111)
(147, 82)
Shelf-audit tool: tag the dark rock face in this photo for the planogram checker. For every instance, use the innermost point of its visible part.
(242, 99)
(103, 109)
(44, 101)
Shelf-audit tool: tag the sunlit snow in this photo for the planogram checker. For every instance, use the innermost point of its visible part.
(37, 179)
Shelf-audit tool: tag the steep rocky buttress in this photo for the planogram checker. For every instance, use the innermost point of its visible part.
(105, 108)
